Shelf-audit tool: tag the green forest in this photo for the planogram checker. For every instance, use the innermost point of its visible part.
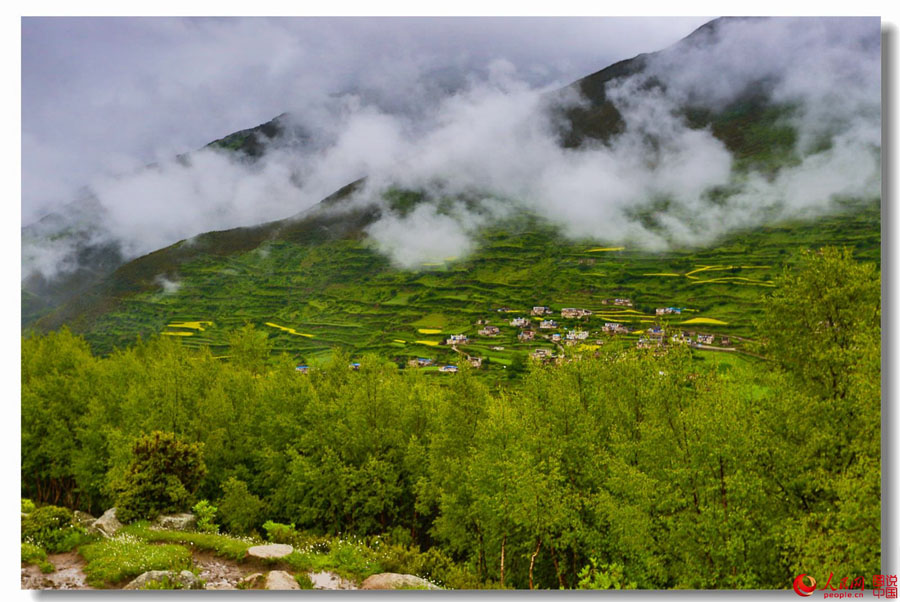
(634, 469)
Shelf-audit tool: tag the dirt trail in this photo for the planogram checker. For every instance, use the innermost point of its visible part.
(69, 574)
(219, 573)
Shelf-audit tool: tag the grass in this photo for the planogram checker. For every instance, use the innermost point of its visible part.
(124, 557)
(32, 554)
(222, 545)
(350, 559)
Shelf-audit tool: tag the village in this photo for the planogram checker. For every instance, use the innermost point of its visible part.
(571, 333)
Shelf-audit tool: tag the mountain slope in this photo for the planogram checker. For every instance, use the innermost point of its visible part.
(315, 282)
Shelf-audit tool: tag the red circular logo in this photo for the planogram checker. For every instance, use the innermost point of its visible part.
(801, 588)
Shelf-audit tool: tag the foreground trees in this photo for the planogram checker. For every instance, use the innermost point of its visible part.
(626, 470)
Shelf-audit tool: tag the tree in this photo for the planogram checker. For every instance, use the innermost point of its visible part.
(162, 477)
(811, 321)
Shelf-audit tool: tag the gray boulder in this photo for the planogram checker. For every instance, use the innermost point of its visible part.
(176, 522)
(270, 552)
(173, 580)
(396, 581)
(82, 519)
(281, 580)
(107, 524)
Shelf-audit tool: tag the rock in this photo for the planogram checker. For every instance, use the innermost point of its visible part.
(82, 519)
(271, 551)
(173, 580)
(254, 581)
(281, 580)
(176, 522)
(107, 524)
(396, 581)
(329, 580)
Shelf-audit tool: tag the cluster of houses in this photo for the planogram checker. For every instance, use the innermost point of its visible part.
(457, 339)
(619, 302)
(663, 311)
(615, 328)
(651, 337)
(655, 336)
(422, 362)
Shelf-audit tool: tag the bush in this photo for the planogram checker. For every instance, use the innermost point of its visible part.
(304, 581)
(206, 514)
(162, 477)
(240, 510)
(281, 533)
(51, 528)
(27, 506)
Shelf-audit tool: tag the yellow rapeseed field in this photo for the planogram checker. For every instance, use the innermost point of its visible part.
(289, 330)
(704, 321)
(198, 325)
(430, 331)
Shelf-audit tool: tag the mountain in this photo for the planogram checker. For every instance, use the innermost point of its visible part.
(315, 282)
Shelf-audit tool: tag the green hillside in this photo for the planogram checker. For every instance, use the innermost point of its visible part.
(313, 288)
(315, 283)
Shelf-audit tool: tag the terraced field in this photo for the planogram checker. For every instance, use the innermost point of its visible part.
(342, 294)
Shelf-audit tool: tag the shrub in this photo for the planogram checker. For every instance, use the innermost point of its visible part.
(206, 514)
(304, 581)
(281, 533)
(27, 506)
(51, 528)
(162, 477)
(240, 510)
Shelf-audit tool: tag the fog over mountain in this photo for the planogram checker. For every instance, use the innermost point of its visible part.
(483, 125)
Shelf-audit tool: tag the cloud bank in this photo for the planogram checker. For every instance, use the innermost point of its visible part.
(494, 139)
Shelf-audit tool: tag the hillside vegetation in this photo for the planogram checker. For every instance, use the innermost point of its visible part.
(630, 469)
(315, 294)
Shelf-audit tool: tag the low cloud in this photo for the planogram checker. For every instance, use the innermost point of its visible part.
(494, 140)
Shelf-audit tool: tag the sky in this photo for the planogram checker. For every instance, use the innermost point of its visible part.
(106, 96)
(452, 107)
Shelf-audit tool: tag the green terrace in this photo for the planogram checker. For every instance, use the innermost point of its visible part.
(342, 294)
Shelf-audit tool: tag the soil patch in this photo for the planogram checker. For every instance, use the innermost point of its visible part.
(69, 574)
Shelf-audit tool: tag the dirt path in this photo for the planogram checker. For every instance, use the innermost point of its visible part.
(69, 574)
(219, 573)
